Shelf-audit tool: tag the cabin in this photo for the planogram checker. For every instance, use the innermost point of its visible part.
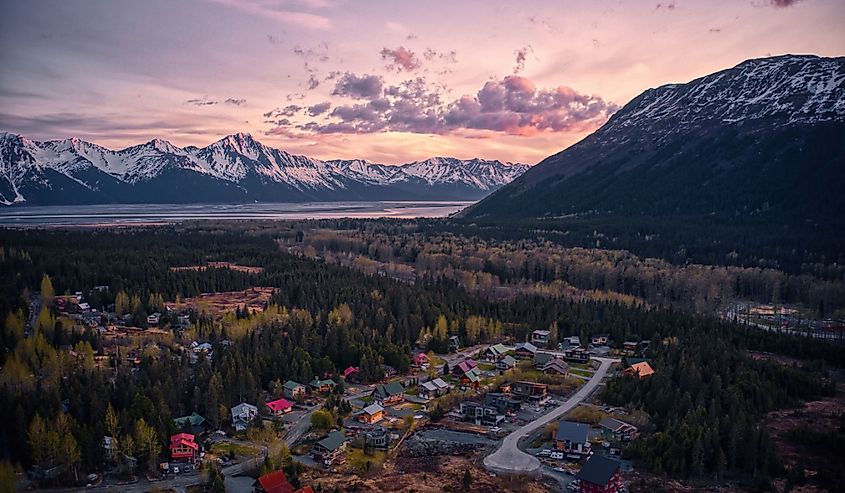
(600, 339)
(280, 407)
(556, 366)
(480, 414)
(242, 415)
(600, 474)
(630, 347)
(495, 352)
(506, 363)
(573, 341)
(389, 394)
(540, 337)
(616, 429)
(433, 388)
(277, 482)
(525, 350)
(371, 414)
(454, 343)
(322, 386)
(530, 391)
(328, 449)
(378, 437)
(472, 378)
(193, 422)
(293, 390)
(420, 360)
(389, 371)
(350, 373)
(571, 439)
(640, 370)
(183, 447)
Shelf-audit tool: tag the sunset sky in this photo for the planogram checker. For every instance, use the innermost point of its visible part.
(385, 81)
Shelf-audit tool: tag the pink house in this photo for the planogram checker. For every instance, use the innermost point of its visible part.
(280, 406)
(419, 360)
(350, 372)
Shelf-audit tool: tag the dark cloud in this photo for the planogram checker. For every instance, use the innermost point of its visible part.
(319, 108)
(353, 86)
(235, 102)
(313, 82)
(665, 6)
(512, 105)
(203, 101)
(400, 59)
(521, 56)
(431, 55)
(780, 4)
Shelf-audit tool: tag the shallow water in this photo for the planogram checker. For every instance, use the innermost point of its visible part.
(116, 214)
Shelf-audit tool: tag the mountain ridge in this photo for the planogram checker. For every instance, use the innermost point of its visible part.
(235, 168)
(766, 135)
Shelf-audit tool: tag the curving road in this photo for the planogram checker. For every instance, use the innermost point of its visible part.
(509, 459)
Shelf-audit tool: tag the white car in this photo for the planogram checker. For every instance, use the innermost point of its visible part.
(544, 453)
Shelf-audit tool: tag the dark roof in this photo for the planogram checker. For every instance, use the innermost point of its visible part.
(388, 389)
(541, 358)
(599, 469)
(572, 432)
(333, 441)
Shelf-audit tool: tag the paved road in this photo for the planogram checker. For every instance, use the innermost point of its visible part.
(509, 459)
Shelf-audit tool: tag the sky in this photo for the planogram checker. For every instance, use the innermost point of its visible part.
(386, 81)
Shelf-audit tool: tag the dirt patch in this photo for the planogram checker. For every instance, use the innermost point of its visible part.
(426, 475)
(776, 358)
(220, 265)
(252, 298)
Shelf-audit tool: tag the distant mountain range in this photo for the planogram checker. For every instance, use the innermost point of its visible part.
(235, 169)
(765, 138)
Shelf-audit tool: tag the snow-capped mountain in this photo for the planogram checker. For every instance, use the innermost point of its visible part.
(236, 168)
(766, 136)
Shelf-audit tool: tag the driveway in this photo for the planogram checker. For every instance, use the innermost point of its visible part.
(509, 459)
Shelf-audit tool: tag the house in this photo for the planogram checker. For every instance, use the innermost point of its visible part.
(600, 474)
(293, 390)
(600, 339)
(480, 414)
(495, 352)
(420, 360)
(389, 371)
(388, 394)
(576, 355)
(556, 366)
(433, 388)
(242, 415)
(630, 346)
(619, 430)
(502, 402)
(350, 373)
(531, 391)
(573, 341)
(323, 386)
(464, 366)
(109, 448)
(274, 482)
(199, 350)
(640, 370)
(454, 343)
(541, 358)
(506, 363)
(378, 437)
(540, 337)
(472, 378)
(183, 447)
(525, 350)
(280, 407)
(571, 438)
(329, 448)
(371, 414)
(194, 422)
(154, 319)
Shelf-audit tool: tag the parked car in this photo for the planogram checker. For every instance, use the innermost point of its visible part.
(556, 455)
(544, 453)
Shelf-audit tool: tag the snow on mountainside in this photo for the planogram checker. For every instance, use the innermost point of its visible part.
(237, 166)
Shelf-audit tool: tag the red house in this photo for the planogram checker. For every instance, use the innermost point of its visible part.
(280, 406)
(274, 482)
(600, 474)
(350, 372)
(183, 447)
(419, 360)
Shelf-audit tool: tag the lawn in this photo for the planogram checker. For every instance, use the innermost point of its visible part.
(357, 460)
(233, 449)
(413, 391)
(583, 373)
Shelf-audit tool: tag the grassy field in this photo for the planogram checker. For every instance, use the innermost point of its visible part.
(583, 373)
(358, 461)
(233, 449)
